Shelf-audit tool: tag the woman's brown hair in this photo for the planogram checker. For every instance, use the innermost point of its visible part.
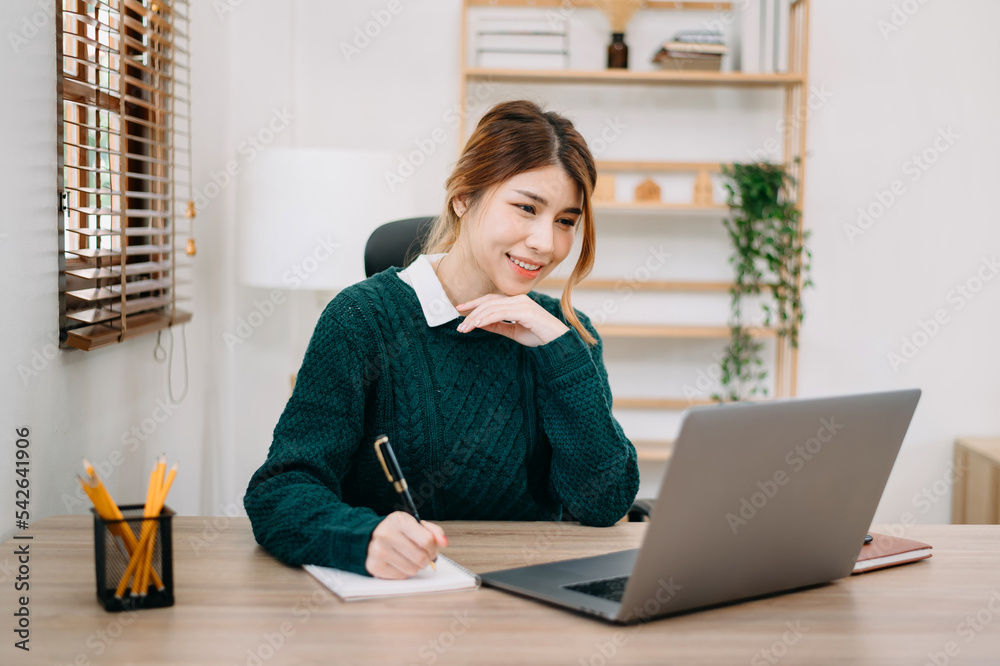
(511, 138)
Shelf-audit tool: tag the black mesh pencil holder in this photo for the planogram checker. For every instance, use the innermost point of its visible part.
(114, 551)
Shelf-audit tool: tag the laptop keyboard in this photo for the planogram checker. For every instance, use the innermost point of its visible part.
(607, 588)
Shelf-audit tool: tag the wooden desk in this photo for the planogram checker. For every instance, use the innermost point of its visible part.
(233, 598)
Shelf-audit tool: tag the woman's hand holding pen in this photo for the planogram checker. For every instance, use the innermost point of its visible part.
(400, 546)
(533, 325)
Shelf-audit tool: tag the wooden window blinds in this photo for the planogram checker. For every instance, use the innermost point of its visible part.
(125, 157)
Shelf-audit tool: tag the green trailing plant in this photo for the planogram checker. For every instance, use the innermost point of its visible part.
(769, 254)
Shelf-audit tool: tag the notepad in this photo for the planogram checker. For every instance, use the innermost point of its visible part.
(887, 551)
(350, 586)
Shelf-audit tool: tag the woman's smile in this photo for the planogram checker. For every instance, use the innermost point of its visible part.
(525, 269)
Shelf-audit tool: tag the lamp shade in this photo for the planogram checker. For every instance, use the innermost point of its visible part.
(304, 216)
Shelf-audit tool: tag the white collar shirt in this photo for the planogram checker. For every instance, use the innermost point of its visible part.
(435, 303)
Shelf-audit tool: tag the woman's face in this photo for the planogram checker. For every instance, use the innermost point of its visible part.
(531, 218)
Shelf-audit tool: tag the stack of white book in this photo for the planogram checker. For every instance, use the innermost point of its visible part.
(526, 43)
(764, 36)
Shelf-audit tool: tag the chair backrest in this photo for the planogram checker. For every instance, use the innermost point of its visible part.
(396, 243)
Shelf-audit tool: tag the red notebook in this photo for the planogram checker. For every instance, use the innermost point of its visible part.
(888, 551)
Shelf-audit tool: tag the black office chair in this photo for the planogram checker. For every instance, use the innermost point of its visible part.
(397, 244)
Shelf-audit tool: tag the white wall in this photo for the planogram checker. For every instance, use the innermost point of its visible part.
(74, 403)
(893, 94)
(280, 65)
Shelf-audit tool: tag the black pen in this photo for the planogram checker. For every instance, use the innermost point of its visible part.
(395, 475)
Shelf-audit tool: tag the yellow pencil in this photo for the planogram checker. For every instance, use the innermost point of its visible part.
(140, 564)
(152, 510)
(148, 526)
(158, 501)
(108, 510)
(139, 553)
(100, 504)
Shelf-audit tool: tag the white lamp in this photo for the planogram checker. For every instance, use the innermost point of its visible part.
(304, 216)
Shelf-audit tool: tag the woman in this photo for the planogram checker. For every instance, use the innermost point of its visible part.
(501, 414)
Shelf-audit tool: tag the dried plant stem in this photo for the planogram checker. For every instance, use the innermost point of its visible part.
(618, 11)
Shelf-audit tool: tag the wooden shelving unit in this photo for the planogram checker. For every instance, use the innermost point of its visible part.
(794, 83)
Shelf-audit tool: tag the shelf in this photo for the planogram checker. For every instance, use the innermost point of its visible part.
(645, 166)
(675, 78)
(715, 210)
(646, 285)
(660, 331)
(659, 403)
(653, 450)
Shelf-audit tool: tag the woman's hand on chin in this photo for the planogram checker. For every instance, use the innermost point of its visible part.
(532, 324)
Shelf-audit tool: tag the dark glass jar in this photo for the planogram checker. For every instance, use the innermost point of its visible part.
(618, 52)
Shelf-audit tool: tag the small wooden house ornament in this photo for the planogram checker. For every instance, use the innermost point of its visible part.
(647, 192)
(703, 189)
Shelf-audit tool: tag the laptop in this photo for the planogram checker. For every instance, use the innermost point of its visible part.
(756, 499)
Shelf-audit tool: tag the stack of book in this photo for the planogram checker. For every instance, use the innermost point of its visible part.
(699, 50)
(528, 43)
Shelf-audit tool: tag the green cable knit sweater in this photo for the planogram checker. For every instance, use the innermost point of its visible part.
(484, 429)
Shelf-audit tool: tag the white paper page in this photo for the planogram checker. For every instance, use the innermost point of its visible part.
(351, 586)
